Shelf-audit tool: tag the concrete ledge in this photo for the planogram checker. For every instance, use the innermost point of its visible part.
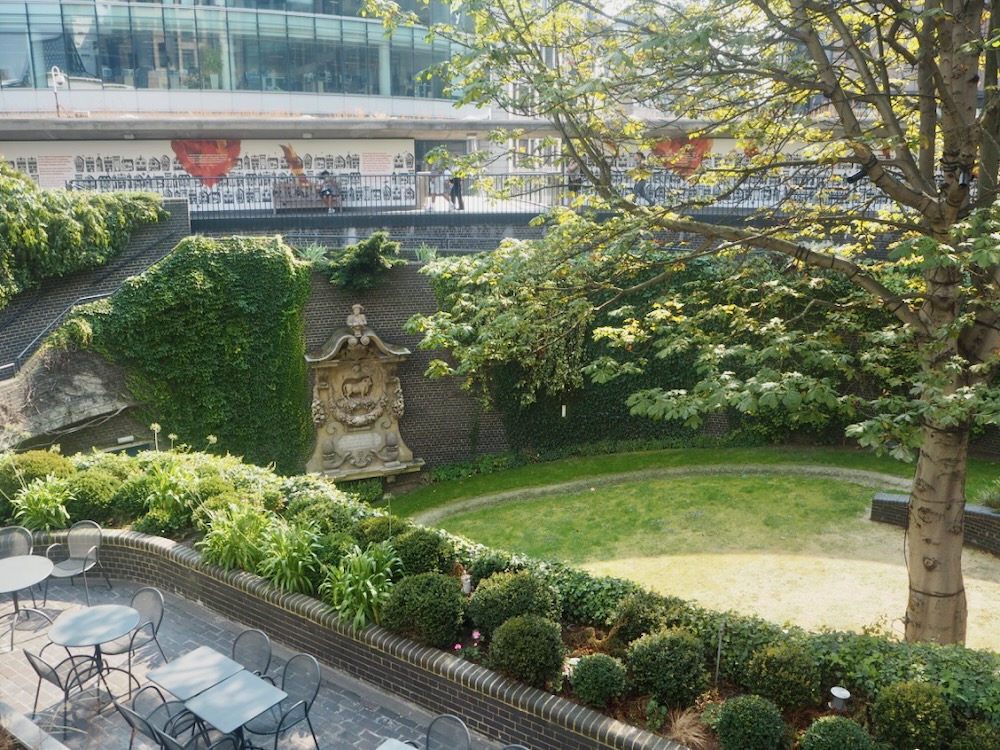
(492, 705)
(26, 732)
(982, 525)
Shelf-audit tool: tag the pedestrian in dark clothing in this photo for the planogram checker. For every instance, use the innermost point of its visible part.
(456, 193)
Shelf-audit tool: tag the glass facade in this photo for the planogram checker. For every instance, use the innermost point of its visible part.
(314, 46)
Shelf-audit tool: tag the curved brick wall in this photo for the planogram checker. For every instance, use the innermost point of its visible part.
(492, 705)
(982, 525)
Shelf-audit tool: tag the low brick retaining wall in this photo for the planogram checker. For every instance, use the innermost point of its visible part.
(490, 704)
(982, 525)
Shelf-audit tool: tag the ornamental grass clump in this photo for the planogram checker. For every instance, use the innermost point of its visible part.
(528, 648)
(669, 665)
(598, 679)
(908, 715)
(428, 607)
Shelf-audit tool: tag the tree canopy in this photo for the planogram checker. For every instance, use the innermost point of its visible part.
(839, 157)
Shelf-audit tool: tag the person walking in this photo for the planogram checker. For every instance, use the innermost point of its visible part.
(437, 187)
(457, 202)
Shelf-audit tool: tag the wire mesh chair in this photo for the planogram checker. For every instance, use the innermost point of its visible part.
(197, 742)
(150, 712)
(14, 541)
(514, 747)
(70, 675)
(448, 732)
(80, 553)
(300, 679)
(148, 602)
(252, 649)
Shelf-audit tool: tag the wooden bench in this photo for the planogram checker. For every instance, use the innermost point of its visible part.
(297, 197)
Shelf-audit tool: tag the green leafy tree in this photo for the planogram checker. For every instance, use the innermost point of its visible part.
(862, 126)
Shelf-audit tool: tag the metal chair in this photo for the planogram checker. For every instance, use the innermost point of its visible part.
(150, 712)
(514, 747)
(300, 679)
(70, 675)
(14, 541)
(197, 742)
(148, 602)
(80, 553)
(448, 732)
(252, 649)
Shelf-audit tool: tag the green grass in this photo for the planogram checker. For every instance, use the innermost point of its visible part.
(670, 516)
(981, 472)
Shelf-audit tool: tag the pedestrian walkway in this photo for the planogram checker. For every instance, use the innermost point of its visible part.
(347, 713)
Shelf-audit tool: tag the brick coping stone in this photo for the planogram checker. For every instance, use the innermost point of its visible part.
(491, 704)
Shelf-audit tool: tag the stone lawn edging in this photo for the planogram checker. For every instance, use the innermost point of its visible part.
(25, 732)
(490, 704)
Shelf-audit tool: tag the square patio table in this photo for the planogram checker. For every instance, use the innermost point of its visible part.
(194, 672)
(234, 701)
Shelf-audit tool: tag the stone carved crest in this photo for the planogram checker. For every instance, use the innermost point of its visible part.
(357, 404)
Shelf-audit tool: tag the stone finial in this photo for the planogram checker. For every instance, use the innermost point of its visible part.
(357, 321)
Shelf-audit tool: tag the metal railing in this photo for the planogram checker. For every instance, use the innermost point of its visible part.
(255, 195)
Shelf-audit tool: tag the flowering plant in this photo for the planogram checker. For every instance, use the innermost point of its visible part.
(471, 652)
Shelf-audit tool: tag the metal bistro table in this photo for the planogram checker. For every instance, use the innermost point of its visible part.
(231, 703)
(22, 572)
(93, 626)
(194, 672)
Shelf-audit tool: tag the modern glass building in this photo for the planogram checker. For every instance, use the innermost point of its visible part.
(297, 46)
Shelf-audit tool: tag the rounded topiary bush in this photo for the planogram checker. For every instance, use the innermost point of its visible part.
(908, 715)
(598, 679)
(785, 673)
(428, 607)
(424, 550)
(18, 470)
(749, 722)
(528, 648)
(836, 733)
(506, 595)
(488, 562)
(638, 614)
(328, 515)
(377, 529)
(93, 497)
(131, 499)
(977, 735)
(669, 665)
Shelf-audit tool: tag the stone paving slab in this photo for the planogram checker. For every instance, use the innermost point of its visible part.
(347, 713)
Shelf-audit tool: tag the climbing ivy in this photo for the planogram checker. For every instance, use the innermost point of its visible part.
(212, 338)
(47, 233)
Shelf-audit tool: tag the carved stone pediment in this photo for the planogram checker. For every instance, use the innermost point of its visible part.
(357, 404)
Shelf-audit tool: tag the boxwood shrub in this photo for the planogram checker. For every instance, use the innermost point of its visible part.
(749, 722)
(424, 550)
(670, 666)
(506, 595)
(785, 673)
(836, 733)
(911, 714)
(598, 679)
(528, 648)
(428, 607)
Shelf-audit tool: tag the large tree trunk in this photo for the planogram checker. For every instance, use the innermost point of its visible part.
(937, 609)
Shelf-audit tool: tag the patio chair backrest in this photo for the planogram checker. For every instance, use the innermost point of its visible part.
(81, 538)
(15, 540)
(301, 679)
(136, 721)
(148, 602)
(252, 649)
(448, 732)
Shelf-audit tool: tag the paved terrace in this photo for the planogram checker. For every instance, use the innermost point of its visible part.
(347, 713)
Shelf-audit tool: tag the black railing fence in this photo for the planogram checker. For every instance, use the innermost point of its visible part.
(253, 195)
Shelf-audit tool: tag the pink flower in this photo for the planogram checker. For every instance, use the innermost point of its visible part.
(458, 646)
(475, 635)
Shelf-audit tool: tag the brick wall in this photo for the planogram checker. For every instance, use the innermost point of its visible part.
(492, 705)
(982, 525)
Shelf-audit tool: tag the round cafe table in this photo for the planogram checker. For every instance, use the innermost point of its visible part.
(22, 572)
(92, 626)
